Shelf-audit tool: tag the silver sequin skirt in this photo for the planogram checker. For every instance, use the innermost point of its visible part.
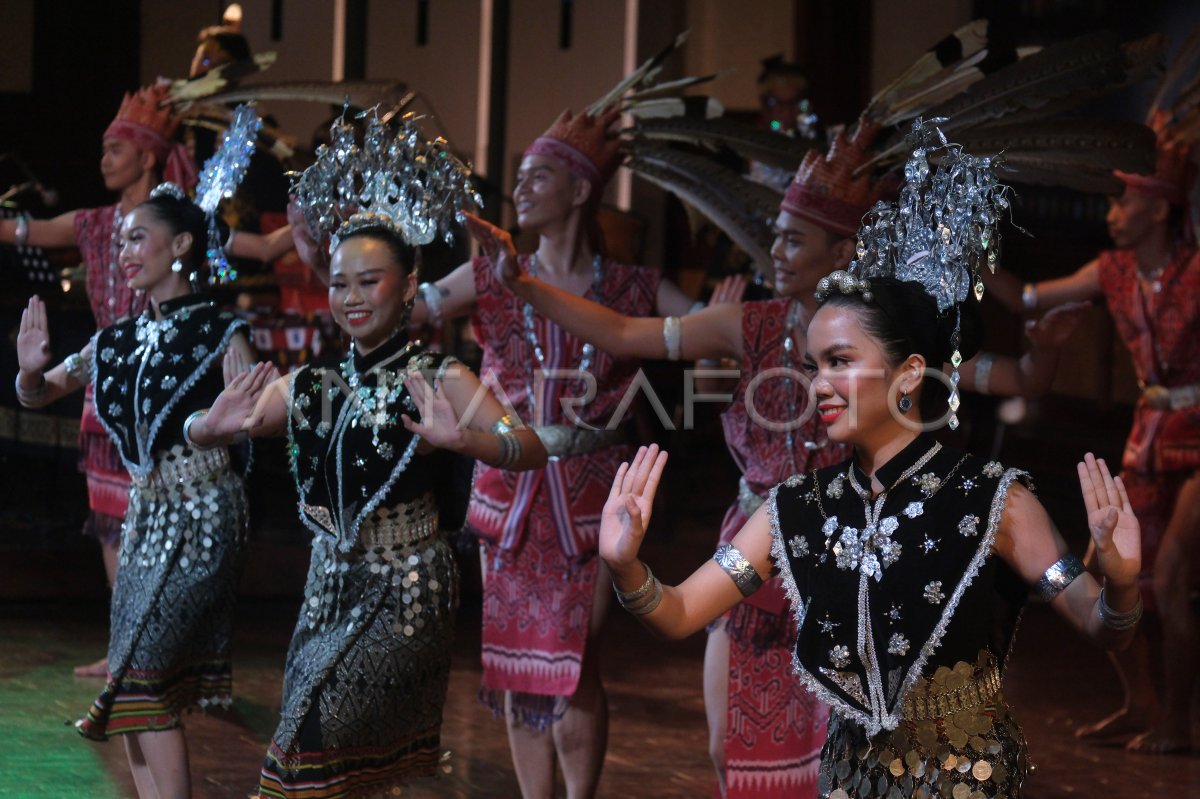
(172, 605)
(368, 666)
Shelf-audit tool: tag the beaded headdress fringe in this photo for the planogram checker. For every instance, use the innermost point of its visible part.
(940, 233)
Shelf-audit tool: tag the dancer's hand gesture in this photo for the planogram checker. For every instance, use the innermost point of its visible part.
(33, 338)
(498, 246)
(1114, 529)
(233, 410)
(627, 512)
(1053, 329)
(308, 245)
(233, 364)
(439, 424)
(731, 289)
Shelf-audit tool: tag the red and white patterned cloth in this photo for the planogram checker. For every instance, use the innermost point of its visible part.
(1162, 331)
(111, 299)
(540, 528)
(775, 727)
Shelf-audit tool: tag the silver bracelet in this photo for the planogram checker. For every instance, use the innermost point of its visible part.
(650, 603)
(629, 596)
(1117, 621)
(672, 338)
(983, 371)
(433, 302)
(1029, 297)
(75, 367)
(21, 232)
(1060, 574)
(645, 599)
(187, 429)
(31, 398)
(510, 449)
(729, 558)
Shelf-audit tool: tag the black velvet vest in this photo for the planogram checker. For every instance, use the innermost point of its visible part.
(885, 589)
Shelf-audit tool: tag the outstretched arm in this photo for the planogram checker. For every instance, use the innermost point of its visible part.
(46, 233)
(265, 247)
(1029, 542)
(1021, 298)
(702, 597)
(715, 332)
(449, 298)
(35, 386)
(1032, 374)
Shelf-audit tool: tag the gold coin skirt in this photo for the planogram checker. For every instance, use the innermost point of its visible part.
(957, 741)
(367, 672)
(172, 603)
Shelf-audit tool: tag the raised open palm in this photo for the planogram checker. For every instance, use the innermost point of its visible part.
(630, 502)
(439, 423)
(233, 408)
(1114, 529)
(33, 338)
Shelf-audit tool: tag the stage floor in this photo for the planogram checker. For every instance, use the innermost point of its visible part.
(657, 740)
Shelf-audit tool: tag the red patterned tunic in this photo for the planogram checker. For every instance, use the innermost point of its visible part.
(111, 299)
(540, 527)
(1162, 331)
(776, 727)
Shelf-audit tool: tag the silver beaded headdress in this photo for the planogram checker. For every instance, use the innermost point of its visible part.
(219, 178)
(940, 233)
(397, 179)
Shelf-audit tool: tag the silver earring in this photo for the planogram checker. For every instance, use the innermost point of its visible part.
(905, 403)
(177, 266)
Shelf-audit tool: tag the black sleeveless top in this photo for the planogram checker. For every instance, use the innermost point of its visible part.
(886, 589)
(349, 450)
(150, 374)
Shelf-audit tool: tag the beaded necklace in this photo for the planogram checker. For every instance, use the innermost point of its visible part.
(585, 358)
(371, 405)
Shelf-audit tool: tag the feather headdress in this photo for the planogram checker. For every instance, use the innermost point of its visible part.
(995, 98)
(1174, 116)
(1015, 102)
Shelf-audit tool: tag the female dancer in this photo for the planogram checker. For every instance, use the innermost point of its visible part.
(909, 656)
(369, 661)
(138, 151)
(765, 730)
(183, 532)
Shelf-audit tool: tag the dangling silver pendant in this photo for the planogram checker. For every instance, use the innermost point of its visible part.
(177, 266)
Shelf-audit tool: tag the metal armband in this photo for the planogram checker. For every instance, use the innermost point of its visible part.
(729, 558)
(1060, 574)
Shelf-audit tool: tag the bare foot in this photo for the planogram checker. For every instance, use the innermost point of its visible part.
(1154, 742)
(1122, 722)
(97, 669)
